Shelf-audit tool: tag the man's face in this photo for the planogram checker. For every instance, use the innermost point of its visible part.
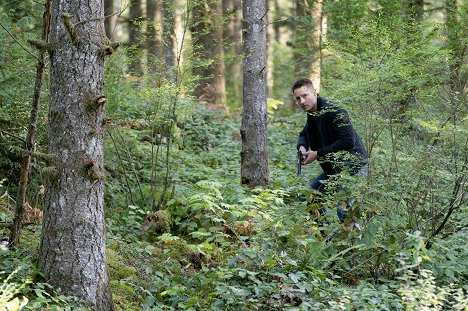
(306, 98)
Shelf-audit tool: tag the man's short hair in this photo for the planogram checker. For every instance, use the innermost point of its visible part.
(300, 83)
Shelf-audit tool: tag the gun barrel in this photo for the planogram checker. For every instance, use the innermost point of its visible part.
(299, 163)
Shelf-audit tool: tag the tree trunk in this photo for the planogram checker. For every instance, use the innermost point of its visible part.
(307, 49)
(169, 36)
(315, 66)
(109, 22)
(254, 155)
(153, 30)
(276, 23)
(457, 47)
(72, 252)
(207, 33)
(233, 48)
(134, 37)
(270, 51)
(219, 81)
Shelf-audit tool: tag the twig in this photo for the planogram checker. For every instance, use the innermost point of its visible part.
(31, 136)
(9, 225)
(130, 159)
(19, 43)
(123, 168)
(8, 3)
(96, 19)
(266, 12)
(452, 208)
(13, 135)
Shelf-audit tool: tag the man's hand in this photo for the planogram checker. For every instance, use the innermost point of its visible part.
(309, 157)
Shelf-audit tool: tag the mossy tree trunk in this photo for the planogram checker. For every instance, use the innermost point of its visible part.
(254, 155)
(72, 252)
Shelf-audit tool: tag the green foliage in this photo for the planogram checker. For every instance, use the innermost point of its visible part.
(8, 290)
(283, 70)
(210, 219)
(19, 287)
(19, 22)
(183, 234)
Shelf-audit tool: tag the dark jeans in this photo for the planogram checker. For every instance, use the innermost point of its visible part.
(341, 211)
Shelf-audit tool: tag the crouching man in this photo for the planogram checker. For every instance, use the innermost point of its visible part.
(329, 138)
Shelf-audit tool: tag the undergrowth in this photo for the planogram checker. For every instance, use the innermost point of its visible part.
(183, 234)
(225, 247)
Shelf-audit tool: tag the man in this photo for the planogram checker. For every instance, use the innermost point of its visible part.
(329, 138)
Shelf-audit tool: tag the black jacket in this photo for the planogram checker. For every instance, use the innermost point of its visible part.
(329, 132)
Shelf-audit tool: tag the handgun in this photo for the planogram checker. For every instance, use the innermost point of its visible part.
(300, 157)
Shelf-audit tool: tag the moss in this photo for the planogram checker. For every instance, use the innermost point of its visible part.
(124, 296)
(31, 238)
(125, 279)
(158, 222)
(117, 268)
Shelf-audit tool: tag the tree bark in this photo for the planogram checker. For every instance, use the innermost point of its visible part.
(169, 24)
(307, 42)
(207, 31)
(254, 155)
(135, 36)
(109, 22)
(316, 63)
(270, 51)
(153, 31)
(72, 252)
(219, 69)
(233, 48)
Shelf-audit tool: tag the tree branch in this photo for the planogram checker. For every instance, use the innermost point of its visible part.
(13, 135)
(19, 43)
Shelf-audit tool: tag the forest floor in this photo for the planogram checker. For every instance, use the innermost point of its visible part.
(216, 245)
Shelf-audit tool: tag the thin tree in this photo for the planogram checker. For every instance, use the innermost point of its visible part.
(233, 47)
(456, 30)
(207, 31)
(110, 20)
(153, 39)
(31, 136)
(169, 24)
(307, 45)
(254, 155)
(135, 36)
(414, 11)
(72, 251)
